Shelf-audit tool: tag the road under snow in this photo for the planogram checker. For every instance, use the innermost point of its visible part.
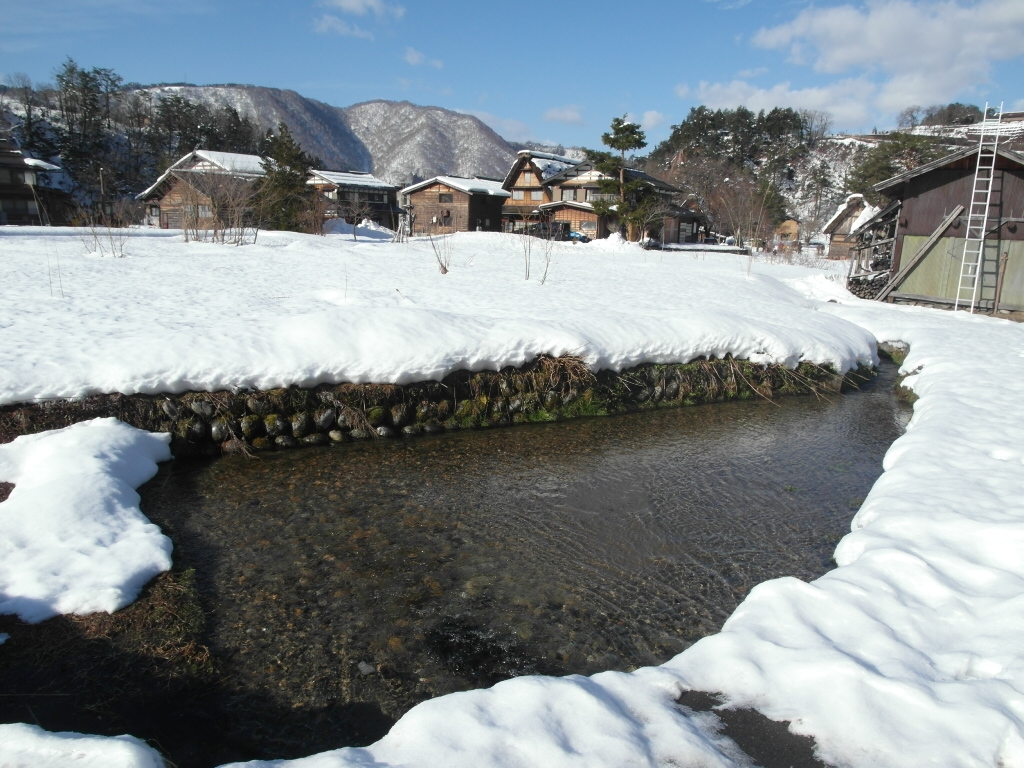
(907, 654)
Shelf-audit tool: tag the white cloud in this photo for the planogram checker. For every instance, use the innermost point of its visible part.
(329, 23)
(415, 58)
(569, 114)
(925, 52)
(848, 100)
(508, 129)
(651, 119)
(378, 8)
(745, 74)
(682, 90)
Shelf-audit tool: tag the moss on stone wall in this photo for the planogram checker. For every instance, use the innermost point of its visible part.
(546, 389)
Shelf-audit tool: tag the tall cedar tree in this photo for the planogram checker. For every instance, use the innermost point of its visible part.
(284, 197)
(634, 197)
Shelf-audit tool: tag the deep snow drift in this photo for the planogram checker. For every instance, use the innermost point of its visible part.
(297, 309)
(908, 654)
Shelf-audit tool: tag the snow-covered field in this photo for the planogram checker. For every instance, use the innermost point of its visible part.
(908, 654)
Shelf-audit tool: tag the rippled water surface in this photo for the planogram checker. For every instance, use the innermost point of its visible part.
(387, 572)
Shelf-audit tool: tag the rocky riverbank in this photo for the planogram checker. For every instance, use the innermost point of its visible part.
(546, 389)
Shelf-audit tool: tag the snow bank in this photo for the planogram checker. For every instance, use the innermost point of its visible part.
(28, 746)
(72, 537)
(907, 654)
(367, 229)
(299, 309)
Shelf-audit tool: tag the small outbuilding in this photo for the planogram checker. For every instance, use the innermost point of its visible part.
(446, 204)
(847, 219)
(919, 238)
(355, 196)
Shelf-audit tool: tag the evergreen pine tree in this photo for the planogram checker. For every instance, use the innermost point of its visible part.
(284, 196)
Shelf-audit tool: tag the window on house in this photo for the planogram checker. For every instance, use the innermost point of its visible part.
(526, 178)
(446, 197)
(205, 212)
(568, 194)
(588, 226)
(377, 197)
(517, 194)
(537, 195)
(154, 210)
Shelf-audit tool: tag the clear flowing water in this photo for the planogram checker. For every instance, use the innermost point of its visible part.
(382, 573)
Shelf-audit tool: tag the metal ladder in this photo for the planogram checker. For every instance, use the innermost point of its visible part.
(977, 212)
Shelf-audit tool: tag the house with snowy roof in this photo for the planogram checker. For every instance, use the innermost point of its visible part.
(526, 181)
(447, 204)
(23, 200)
(191, 190)
(355, 195)
(844, 222)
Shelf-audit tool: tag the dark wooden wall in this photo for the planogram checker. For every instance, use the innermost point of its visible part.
(929, 198)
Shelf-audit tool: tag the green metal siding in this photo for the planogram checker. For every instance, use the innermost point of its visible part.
(938, 273)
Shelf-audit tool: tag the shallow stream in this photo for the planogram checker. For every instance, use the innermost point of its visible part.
(343, 585)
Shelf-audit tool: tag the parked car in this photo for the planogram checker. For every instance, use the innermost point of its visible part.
(549, 230)
(578, 237)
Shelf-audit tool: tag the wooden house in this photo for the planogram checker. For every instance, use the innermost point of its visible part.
(918, 238)
(191, 192)
(684, 224)
(353, 195)
(574, 190)
(526, 181)
(447, 204)
(847, 219)
(22, 199)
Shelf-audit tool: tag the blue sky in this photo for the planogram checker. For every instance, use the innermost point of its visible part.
(550, 71)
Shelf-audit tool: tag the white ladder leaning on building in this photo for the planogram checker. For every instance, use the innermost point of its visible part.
(977, 212)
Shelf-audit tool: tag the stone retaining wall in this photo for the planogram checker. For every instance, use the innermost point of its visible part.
(547, 389)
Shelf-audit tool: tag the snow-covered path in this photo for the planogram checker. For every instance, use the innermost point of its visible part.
(908, 654)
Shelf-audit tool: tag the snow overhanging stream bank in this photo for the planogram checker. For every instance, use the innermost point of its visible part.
(907, 654)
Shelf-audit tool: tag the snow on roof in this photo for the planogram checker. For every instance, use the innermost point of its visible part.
(41, 165)
(866, 215)
(471, 186)
(351, 179)
(841, 211)
(232, 161)
(548, 164)
(225, 162)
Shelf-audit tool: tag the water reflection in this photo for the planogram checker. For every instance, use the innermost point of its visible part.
(393, 571)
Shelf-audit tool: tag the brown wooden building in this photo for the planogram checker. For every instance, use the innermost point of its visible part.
(353, 195)
(924, 229)
(22, 199)
(846, 220)
(526, 181)
(574, 190)
(191, 190)
(447, 204)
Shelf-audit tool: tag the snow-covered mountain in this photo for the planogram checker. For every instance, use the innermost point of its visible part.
(395, 140)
